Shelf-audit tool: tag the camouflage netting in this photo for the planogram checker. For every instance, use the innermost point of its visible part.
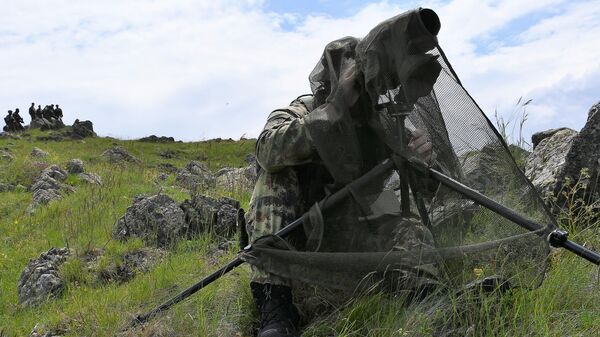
(445, 238)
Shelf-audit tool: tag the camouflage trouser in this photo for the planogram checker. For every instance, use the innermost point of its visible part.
(275, 203)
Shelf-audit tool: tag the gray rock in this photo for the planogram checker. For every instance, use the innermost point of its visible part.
(141, 260)
(156, 139)
(158, 220)
(537, 137)
(118, 154)
(48, 187)
(6, 187)
(83, 129)
(162, 177)
(480, 169)
(91, 178)
(546, 164)
(40, 279)
(9, 135)
(206, 214)
(236, 179)
(38, 153)
(40, 330)
(195, 176)
(75, 166)
(585, 155)
(46, 124)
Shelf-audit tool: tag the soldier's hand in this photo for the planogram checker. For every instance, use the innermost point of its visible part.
(421, 146)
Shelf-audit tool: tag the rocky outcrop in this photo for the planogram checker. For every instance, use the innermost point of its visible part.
(6, 187)
(238, 179)
(537, 137)
(545, 166)
(195, 176)
(40, 280)
(158, 220)
(585, 154)
(206, 214)
(82, 129)
(118, 154)
(75, 166)
(38, 153)
(132, 263)
(90, 178)
(156, 139)
(49, 187)
(46, 124)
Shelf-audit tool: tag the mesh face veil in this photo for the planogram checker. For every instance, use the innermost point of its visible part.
(366, 240)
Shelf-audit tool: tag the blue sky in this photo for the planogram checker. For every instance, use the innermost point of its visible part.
(197, 69)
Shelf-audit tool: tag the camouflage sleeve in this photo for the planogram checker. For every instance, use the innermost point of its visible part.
(284, 141)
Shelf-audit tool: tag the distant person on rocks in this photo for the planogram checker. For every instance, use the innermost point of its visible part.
(32, 111)
(38, 112)
(18, 120)
(9, 121)
(58, 114)
(46, 112)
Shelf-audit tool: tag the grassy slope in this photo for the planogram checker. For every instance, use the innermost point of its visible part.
(566, 304)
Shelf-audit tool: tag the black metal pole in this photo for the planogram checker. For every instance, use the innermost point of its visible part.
(556, 238)
(324, 204)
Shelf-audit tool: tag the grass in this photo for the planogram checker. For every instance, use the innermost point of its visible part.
(565, 304)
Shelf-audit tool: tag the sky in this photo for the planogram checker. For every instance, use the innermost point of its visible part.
(196, 69)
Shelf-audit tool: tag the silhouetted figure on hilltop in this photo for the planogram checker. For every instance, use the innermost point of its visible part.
(18, 120)
(13, 122)
(32, 111)
(38, 112)
(58, 113)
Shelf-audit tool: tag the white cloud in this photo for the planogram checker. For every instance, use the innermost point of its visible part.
(204, 69)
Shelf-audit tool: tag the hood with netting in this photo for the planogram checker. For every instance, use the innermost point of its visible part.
(402, 67)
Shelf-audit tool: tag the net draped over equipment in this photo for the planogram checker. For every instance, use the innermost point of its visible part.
(447, 239)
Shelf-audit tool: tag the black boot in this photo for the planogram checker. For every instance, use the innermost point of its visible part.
(278, 315)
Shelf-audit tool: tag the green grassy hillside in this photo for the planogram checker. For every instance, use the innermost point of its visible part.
(566, 304)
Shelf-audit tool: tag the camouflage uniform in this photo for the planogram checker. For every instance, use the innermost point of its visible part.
(276, 200)
(284, 190)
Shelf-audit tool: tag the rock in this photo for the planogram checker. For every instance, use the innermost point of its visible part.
(52, 136)
(168, 154)
(38, 153)
(480, 168)
(206, 214)
(40, 280)
(40, 330)
(91, 178)
(80, 130)
(167, 167)
(141, 260)
(5, 155)
(162, 177)
(75, 166)
(545, 166)
(537, 137)
(46, 124)
(48, 187)
(6, 187)
(118, 154)
(195, 176)
(155, 139)
(585, 155)
(9, 135)
(158, 220)
(236, 179)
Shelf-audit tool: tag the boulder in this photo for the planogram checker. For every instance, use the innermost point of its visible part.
(537, 137)
(207, 214)
(140, 260)
(75, 166)
(236, 179)
(118, 154)
(38, 153)
(90, 178)
(158, 220)
(6, 187)
(195, 176)
(546, 164)
(584, 154)
(48, 187)
(80, 130)
(40, 330)
(40, 279)
(46, 124)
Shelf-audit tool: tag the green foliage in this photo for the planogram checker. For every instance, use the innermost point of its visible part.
(565, 304)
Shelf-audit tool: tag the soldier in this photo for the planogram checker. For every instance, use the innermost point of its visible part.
(8, 120)
(38, 112)
(18, 120)
(58, 114)
(291, 179)
(32, 111)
